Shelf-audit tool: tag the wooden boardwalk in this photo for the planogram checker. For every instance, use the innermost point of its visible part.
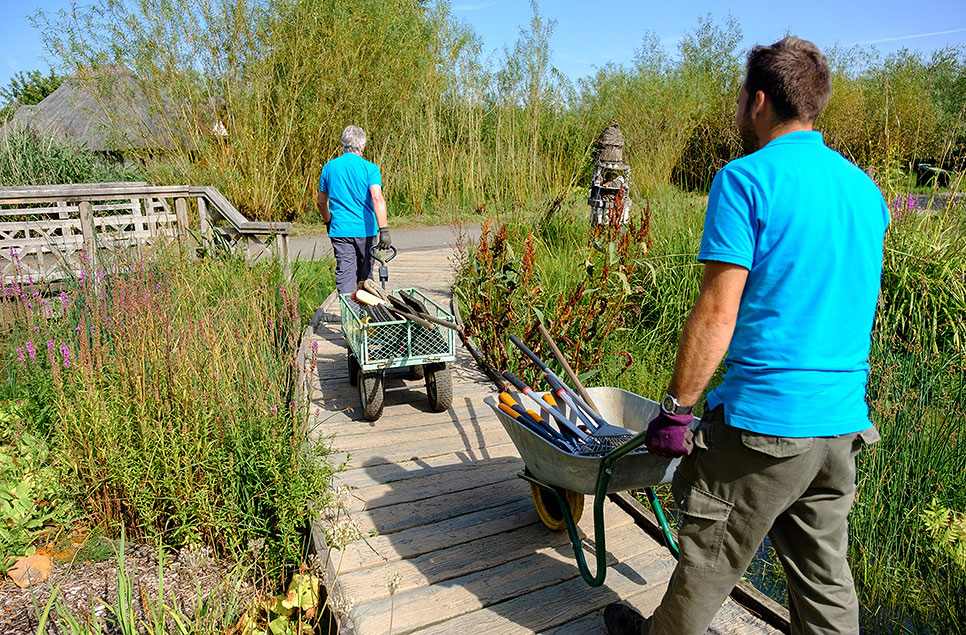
(434, 533)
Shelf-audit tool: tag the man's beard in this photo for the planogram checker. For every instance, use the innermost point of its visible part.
(749, 140)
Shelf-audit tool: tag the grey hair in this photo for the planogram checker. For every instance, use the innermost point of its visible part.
(353, 139)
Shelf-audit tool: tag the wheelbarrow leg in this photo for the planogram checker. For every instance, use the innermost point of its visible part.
(599, 548)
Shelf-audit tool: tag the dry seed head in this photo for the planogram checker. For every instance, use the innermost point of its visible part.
(394, 581)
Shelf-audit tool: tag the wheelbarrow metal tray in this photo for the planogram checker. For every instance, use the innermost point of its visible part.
(552, 465)
(396, 343)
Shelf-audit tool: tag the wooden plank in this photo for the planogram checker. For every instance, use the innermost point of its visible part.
(548, 567)
(359, 477)
(420, 449)
(460, 477)
(462, 427)
(389, 519)
(367, 585)
(420, 540)
(560, 604)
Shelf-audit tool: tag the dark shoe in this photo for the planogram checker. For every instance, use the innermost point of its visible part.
(621, 619)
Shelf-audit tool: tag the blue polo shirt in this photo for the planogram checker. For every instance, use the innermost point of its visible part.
(808, 225)
(346, 180)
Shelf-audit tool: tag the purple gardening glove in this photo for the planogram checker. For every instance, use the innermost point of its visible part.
(669, 435)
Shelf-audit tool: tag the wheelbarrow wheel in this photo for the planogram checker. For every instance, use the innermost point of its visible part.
(353, 370)
(371, 393)
(439, 387)
(417, 372)
(548, 507)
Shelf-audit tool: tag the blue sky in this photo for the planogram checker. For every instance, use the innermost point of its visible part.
(589, 34)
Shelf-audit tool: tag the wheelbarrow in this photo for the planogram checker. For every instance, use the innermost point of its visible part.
(379, 342)
(560, 479)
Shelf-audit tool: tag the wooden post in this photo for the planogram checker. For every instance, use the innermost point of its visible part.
(86, 212)
(204, 219)
(181, 212)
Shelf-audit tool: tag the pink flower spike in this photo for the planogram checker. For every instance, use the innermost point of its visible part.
(20, 355)
(66, 354)
(31, 351)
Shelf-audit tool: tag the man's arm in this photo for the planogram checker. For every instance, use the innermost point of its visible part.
(379, 206)
(708, 330)
(322, 202)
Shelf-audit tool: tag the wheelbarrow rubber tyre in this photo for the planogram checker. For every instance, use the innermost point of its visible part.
(548, 508)
(439, 387)
(353, 370)
(371, 393)
(417, 372)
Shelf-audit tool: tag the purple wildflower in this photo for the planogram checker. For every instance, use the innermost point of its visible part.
(64, 299)
(274, 408)
(31, 351)
(66, 353)
(20, 355)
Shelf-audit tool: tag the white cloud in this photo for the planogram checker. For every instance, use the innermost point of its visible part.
(911, 37)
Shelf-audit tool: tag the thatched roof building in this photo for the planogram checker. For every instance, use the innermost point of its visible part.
(107, 110)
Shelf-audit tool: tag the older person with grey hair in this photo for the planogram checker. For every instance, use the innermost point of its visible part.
(353, 208)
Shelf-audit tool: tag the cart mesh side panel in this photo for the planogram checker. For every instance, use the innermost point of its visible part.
(399, 342)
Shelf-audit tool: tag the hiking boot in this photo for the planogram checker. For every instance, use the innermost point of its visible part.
(621, 619)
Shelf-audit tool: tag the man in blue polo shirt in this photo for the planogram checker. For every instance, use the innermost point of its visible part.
(792, 253)
(353, 208)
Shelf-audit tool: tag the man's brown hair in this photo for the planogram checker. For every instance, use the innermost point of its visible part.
(794, 74)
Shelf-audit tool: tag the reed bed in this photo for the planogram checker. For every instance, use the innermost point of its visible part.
(453, 130)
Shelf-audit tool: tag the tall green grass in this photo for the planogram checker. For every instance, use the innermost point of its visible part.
(28, 159)
(907, 580)
(449, 127)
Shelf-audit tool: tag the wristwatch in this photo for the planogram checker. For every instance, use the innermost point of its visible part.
(670, 406)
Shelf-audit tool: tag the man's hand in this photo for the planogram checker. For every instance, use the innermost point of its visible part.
(669, 435)
(385, 242)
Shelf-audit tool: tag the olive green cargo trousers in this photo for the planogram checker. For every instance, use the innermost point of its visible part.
(735, 488)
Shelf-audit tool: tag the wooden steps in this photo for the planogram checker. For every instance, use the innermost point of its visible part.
(442, 536)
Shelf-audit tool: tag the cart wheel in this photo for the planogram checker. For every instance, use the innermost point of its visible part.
(353, 370)
(371, 393)
(439, 387)
(417, 372)
(548, 508)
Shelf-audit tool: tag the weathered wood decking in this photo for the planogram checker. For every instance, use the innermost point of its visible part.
(447, 539)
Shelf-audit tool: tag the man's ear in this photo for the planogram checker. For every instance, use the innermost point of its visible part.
(758, 104)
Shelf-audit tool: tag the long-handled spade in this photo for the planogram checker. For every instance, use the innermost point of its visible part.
(588, 414)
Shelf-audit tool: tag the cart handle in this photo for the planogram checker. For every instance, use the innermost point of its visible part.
(374, 251)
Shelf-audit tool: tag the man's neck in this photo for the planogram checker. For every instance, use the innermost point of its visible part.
(784, 128)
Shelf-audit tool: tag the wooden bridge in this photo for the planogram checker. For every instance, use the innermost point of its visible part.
(432, 532)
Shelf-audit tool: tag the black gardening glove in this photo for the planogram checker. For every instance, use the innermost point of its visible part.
(385, 242)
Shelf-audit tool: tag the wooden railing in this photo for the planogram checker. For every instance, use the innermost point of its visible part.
(51, 231)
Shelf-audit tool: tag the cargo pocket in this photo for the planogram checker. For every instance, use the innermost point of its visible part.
(705, 525)
(778, 447)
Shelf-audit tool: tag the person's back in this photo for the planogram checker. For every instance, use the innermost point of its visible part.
(353, 208)
(347, 180)
(814, 253)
